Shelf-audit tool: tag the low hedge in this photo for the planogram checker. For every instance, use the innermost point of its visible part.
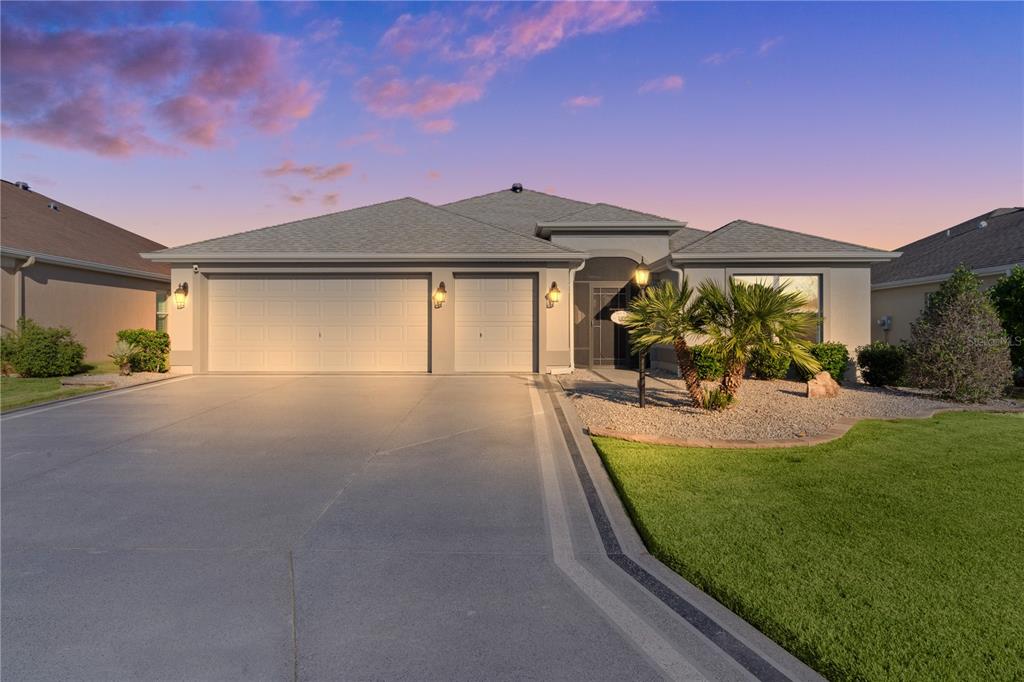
(882, 364)
(765, 366)
(154, 349)
(37, 351)
(709, 367)
(833, 357)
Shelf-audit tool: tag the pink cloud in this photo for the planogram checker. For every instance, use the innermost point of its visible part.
(391, 96)
(438, 126)
(546, 28)
(433, 175)
(312, 172)
(583, 102)
(127, 87)
(330, 199)
(409, 34)
(719, 58)
(663, 84)
(324, 30)
(769, 44)
(361, 139)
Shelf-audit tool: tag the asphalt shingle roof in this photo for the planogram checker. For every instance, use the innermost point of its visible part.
(402, 226)
(519, 211)
(30, 225)
(684, 236)
(1000, 242)
(606, 213)
(742, 236)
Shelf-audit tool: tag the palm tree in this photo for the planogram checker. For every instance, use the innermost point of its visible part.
(742, 319)
(664, 314)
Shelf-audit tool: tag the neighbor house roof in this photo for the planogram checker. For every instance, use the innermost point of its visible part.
(989, 241)
(401, 229)
(65, 235)
(744, 240)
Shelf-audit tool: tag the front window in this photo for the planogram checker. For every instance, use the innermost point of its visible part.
(809, 286)
(161, 312)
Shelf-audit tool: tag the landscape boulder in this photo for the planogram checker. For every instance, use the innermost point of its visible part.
(822, 386)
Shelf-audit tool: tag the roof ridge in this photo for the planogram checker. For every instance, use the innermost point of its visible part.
(711, 233)
(983, 216)
(505, 229)
(808, 234)
(525, 189)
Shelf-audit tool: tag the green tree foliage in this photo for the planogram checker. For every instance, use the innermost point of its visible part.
(1008, 298)
(153, 349)
(36, 351)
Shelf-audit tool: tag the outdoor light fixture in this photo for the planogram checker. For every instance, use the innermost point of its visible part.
(554, 295)
(180, 294)
(440, 295)
(642, 274)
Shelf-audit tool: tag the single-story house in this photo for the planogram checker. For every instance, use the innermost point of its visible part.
(989, 244)
(512, 281)
(62, 267)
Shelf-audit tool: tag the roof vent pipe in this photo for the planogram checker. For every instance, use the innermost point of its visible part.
(53, 206)
(21, 185)
(983, 223)
(517, 188)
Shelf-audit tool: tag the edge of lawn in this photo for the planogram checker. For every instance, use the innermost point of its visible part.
(764, 622)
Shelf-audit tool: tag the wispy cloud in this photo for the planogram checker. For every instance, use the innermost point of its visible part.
(324, 30)
(583, 101)
(330, 199)
(119, 91)
(663, 84)
(509, 34)
(438, 126)
(312, 172)
(433, 175)
(769, 44)
(719, 58)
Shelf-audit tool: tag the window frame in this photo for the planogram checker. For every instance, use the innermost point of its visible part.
(161, 315)
(820, 333)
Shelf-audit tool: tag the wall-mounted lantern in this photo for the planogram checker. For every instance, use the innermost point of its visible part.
(180, 294)
(440, 295)
(642, 274)
(554, 295)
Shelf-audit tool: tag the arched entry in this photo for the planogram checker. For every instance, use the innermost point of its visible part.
(602, 287)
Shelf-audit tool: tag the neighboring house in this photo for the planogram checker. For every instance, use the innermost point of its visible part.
(529, 283)
(990, 245)
(62, 267)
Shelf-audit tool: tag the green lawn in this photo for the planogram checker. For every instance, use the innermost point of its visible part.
(895, 552)
(19, 392)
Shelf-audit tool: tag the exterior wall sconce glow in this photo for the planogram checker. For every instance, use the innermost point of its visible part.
(642, 274)
(440, 295)
(180, 294)
(554, 295)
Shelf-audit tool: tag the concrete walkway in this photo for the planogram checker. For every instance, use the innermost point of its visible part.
(301, 527)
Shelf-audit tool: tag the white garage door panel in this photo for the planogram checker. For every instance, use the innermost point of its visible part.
(338, 324)
(494, 324)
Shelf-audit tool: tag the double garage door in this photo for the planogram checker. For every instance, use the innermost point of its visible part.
(364, 324)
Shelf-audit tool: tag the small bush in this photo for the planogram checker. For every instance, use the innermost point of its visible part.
(882, 364)
(958, 346)
(154, 348)
(834, 359)
(716, 399)
(36, 351)
(709, 367)
(765, 365)
(123, 355)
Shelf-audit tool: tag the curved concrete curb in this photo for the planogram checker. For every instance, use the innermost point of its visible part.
(838, 430)
(100, 393)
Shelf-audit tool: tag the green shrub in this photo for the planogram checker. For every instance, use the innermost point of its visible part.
(764, 365)
(882, 364)
(1007, 296)
(717, 399)
(123, 355)
(834, 359)
(958, 346)
(709, 366)
(36, 351)
(154, 348)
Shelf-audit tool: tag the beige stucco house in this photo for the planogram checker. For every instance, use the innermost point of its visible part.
(989, 244)
(62, 267)
(512, 281)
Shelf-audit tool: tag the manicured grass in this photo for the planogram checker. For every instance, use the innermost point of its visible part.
(895, 552)
(19, 392)
(100, 368)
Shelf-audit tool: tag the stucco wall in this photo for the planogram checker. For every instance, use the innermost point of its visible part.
(904, 304)
(188, 327)
(8, 311)
(94, 305)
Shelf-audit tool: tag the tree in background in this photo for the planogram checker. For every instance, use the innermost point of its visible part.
(957, 346)
(1008, 298)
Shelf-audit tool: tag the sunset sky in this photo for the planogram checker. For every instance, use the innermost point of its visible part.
(875, 123)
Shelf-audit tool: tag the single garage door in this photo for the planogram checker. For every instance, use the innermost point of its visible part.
(318, 324)
(494, 324)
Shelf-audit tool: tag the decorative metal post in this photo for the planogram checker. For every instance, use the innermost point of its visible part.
(642, 277)
(641, 383)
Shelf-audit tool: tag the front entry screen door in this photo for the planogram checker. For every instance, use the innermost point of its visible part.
(609, 341)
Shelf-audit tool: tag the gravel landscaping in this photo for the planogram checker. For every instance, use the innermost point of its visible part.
(117, 380)
(765, 410)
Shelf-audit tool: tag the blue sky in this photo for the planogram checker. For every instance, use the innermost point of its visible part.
(873, 122)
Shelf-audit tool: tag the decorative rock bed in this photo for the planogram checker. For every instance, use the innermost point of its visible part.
(764, 411)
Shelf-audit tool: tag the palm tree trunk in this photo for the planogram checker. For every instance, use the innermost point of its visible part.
(733, 377)
(688, 370)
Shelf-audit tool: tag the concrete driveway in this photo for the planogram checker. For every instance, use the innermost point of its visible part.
(284, 527)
